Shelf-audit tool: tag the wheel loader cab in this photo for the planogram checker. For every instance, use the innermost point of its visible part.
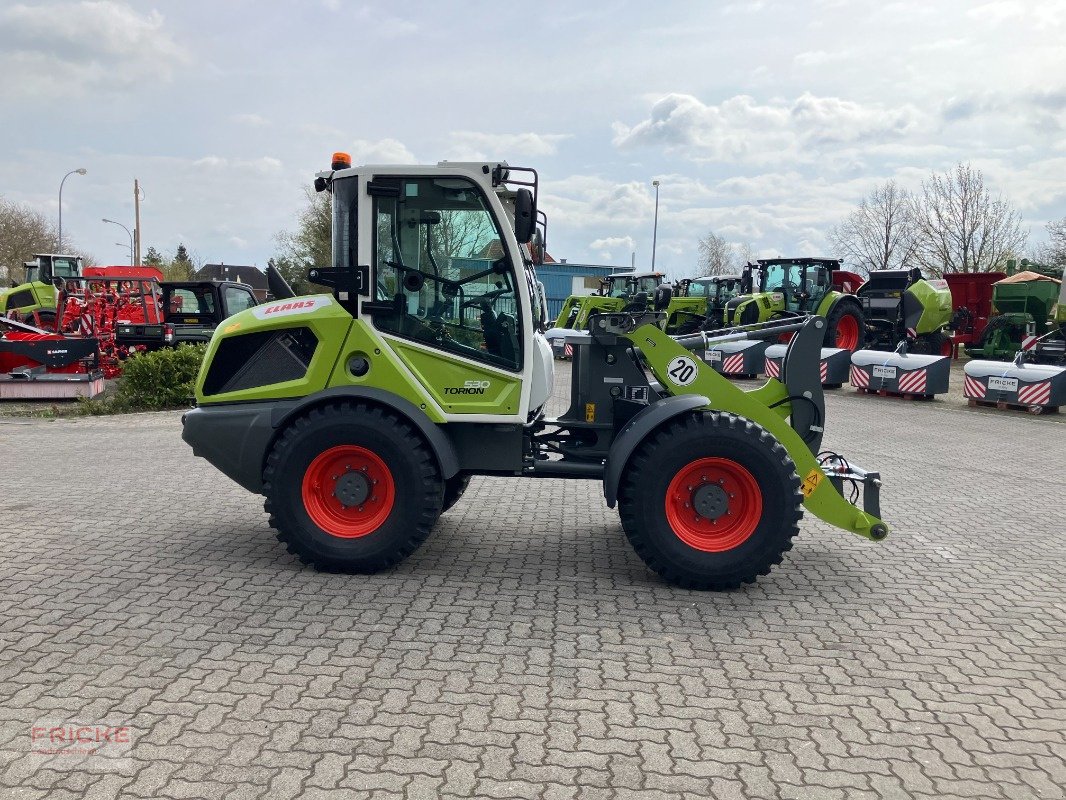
(453, 292)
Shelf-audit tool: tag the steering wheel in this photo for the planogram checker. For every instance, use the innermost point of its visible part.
(482, 299)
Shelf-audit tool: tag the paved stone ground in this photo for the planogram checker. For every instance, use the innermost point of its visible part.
(525, 651)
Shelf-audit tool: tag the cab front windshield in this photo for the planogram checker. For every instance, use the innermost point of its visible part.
(780, 277)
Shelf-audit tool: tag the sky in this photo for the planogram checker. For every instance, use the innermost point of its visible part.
(764, 122)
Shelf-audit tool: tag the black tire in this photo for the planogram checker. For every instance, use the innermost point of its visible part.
(411, 467)
(672, 450)
(837, 314)
(453, 490)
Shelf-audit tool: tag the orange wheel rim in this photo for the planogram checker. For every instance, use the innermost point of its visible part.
(348, 491)
(713, 504)
(847, 332)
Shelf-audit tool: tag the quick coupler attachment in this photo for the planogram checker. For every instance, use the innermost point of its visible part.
(851, 481)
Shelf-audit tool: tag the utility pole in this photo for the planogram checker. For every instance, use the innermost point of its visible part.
(655, 228)
(136, 223)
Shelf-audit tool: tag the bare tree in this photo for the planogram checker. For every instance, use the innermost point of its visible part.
(880, 233)
(961, 227)
(1053, 252)
(718, 256)
(23, 233)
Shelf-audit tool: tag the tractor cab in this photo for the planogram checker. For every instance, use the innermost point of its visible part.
(34, 300)
(801, 283)
(45, 268)
(628, 285)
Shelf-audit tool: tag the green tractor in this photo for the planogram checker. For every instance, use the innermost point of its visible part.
(1023, 304)
(698, 303)
(626, 291)
(361, 415)
(34, 300)
(792, 288)
(900, 305)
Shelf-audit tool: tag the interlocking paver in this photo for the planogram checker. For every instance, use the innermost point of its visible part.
(525, 651)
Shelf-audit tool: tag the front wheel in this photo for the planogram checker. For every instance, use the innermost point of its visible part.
(711, 501)
(352, 488)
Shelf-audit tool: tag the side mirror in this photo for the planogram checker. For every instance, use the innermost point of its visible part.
(663, 293)
(746, 282)
(525, 216)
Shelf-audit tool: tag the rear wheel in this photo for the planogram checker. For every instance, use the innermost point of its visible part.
(711, 501)
(845, 326)
(351, 488)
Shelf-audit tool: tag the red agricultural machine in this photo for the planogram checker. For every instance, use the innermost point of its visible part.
(971, 305)
(66, 351)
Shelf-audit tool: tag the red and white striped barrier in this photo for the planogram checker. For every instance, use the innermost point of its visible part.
(744, 359)
(833, 364)
(1034, 386)
(894, 373)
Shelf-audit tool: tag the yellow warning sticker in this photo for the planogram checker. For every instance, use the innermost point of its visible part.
(810, 483)
(590, 412)
(236, 326)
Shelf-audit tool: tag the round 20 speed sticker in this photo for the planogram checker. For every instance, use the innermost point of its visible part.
(682, 370)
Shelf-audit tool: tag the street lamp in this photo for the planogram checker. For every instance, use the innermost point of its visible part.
(128, 232)
(655, 228)
(79, 171)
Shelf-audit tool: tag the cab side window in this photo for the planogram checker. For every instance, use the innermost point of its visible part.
(238, 300)
(439, 259)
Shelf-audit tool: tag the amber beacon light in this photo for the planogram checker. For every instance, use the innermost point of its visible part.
(341, 161)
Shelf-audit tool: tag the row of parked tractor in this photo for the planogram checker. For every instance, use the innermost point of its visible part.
(66, 327)
(893, 332)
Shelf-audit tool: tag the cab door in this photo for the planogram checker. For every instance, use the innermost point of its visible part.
(447, 292)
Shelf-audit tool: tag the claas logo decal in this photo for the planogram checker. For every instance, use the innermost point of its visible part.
(290, 307)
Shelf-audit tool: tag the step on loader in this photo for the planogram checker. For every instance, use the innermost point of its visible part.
(361, 415)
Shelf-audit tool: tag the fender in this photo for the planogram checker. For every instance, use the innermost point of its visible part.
(636, 430)
(438, 442)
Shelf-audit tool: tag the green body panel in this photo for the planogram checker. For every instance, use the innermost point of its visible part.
(576, 310)
(826, 306)
(438, 372)
(820, 496)
(685, 310)
(935, 303)
(327, 320)
(44, 296)
(768, 305)
(1032, 298)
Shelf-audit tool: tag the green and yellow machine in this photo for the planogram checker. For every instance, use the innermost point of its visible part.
(361, 415)
(900, 305)
(626, 291)
(790, 288)
(699, 303)
(34, 300)
(1023, 304)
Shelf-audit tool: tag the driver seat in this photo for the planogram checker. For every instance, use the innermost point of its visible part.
(637, 304)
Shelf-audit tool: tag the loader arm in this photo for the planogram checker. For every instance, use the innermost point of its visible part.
(771, 406)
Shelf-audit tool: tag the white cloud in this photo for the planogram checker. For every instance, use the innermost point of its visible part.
(65, 48)
(478, 146)
(742, 129)
(382, 151)
(610, 247)
(251, 120)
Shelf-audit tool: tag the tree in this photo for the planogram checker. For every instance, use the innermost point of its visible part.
(24, 232)
(718, 256)
(153, 257)
(961, 227)
(880, 233)
(1053, 252)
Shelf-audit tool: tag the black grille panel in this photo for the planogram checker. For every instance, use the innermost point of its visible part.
(260, 359)
(20, 299)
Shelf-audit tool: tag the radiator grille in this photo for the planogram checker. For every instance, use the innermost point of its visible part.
(260, 359)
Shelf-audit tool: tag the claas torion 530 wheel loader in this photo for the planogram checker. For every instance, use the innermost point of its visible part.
(361, 415)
